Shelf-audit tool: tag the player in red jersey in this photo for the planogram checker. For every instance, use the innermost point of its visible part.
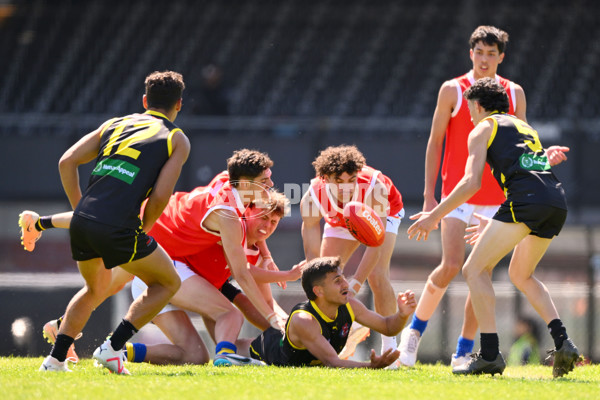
(452, 124)
(209, 215)
(205, 291)
(343, 176)
(533, 213)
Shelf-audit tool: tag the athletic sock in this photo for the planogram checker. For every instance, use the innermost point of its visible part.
(44, 223)
(464, 346)
(418, 324)
(135, 352)
(558, 332)
(225, 347)
(61, 346)
(490, 346)
(388, 342)
(122, 334)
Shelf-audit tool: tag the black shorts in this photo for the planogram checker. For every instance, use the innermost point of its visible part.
(115, 245)
(267, 347)
(543, 220)
(229, 291)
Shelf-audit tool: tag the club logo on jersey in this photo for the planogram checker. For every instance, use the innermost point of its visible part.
(345, 330)
(117, 169)
(532, 162)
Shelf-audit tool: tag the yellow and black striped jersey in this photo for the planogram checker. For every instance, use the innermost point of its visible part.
(275, 348)
(520, 165)
(133, 150)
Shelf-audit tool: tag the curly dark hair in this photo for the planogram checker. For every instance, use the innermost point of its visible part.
(247, 163)
(315, 271)
(164, 89)
(489, 35)
(489, 94)
(335, 160)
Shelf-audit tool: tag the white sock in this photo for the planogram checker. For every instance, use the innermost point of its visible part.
(388, 342)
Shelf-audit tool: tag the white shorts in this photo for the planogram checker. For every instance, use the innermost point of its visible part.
(138, 286)
(392, 225)
(465, 211)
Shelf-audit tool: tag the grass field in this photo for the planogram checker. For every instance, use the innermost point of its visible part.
(20, 379)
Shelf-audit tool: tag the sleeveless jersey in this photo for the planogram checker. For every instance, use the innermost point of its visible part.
(366, 178)
(520, 165)
(211, 263)
(280, 351)
(179, 229)
(133, 150)
(456, 149)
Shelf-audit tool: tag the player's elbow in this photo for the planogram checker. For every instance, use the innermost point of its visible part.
(472, 184)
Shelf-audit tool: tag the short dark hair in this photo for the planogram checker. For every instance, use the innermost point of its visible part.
(164, 89)
(489, 35)
(247, 163)
(489, 94)
(335, 160)
(315, 272)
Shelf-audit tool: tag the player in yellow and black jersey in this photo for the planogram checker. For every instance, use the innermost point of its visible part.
(533, 213)
(138, 157)
(316, 330)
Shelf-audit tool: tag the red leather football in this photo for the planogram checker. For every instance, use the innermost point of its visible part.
(364, 224)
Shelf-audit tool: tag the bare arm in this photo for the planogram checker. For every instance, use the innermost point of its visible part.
(231, 236)
(304, 331)
(521, 110)
(433, 155)
(378, 201)
(262, 275)
(82, 152)
(390, 325)
(467, 187)
(165, 183)
(311, 228)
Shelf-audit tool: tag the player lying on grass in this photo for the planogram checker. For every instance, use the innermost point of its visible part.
(204, 287)
(317, 329)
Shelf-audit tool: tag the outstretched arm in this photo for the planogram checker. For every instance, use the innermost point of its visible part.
(305, 332)
(390, 325)
(262, 275)
(466, 187)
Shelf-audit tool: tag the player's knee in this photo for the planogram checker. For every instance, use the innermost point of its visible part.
(173, 284)
(467, 273)
(449, 269)
(197, 357)
(517, 279)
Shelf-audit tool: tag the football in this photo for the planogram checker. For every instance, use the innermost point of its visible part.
(364, 224)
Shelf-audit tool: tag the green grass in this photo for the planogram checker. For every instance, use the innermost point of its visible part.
(20, 379)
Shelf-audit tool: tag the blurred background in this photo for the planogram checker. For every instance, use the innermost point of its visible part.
(291, 77)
